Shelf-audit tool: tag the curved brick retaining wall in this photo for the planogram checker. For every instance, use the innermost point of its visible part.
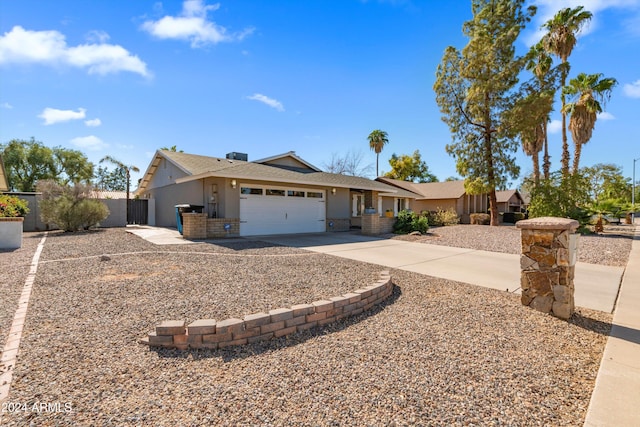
(208, 333)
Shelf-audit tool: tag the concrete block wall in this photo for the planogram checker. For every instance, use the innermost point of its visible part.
(212, 334)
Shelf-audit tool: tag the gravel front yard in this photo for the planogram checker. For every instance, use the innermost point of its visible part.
(611, 248)
(438, 353)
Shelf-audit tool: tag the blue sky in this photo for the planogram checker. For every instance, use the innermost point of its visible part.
(266, 77)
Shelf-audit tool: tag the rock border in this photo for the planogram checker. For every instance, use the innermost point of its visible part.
(211, 334)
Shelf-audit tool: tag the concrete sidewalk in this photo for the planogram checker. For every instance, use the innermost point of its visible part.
(616, 398)
(596, 286)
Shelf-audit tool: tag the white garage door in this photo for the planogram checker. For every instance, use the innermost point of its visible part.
(279, 210)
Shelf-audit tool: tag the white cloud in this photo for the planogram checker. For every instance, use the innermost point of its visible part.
(266, 100)
(554, 126)
(548, 8)
(606, 116)
(22, 46)
(192, 25)
(53, 115)
(632, 90)
(6, 106)
(93, 122)
(91, 142)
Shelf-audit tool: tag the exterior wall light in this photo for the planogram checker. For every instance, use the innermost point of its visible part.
(233, 183)
(333, 191)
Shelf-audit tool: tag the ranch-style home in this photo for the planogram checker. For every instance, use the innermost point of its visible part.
(277, 195)
(431, 196)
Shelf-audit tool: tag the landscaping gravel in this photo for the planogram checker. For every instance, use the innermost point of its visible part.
(610, 248)
(437, 353)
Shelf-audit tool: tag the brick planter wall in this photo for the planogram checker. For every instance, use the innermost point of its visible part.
(339, 224)
(198, 226)
(211, 334)
(373, 224)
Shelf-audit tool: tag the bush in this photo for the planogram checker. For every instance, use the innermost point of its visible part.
(518, 216)
(70, 208)
(444, 217)
(11, 206)
(409, 222)
(480, 218)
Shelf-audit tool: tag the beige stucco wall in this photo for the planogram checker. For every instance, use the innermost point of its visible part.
(434, 205)
(169, 196)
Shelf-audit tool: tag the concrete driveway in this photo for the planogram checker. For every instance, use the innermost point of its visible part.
(596, 286)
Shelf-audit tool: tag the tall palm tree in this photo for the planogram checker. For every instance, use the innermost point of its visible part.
(377, 140)
(560, 40)
(127, 169)
(539, 64)
(590, 93)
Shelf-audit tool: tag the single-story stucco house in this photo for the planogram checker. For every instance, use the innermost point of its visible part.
(276, 195)
(431, 196)
(510, 201)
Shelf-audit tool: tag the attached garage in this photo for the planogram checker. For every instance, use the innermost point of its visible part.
(281, 210)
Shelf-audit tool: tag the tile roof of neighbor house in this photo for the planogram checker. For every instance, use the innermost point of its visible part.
(199, 167)
(429, 190)
(504, 195)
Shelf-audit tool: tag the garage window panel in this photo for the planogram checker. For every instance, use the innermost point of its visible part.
(275, 192)
(253, 191)
(294, 193)
(314, 195)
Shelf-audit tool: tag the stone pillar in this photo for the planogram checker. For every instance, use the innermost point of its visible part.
(549, 251)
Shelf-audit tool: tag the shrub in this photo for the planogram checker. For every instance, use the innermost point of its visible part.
(444, 217)
(11, 206)
(518, 216)
(408, 222)
(480, 218)
(70, 208)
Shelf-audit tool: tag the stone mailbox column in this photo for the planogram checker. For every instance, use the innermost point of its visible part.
(549, 251)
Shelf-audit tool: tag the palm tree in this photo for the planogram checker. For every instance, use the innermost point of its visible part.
(127, 169)
(590, 93)
(560, 40)
(539, 64)
(377, 140)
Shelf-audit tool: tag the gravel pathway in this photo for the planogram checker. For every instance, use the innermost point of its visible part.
(438, 353)
(610, 248)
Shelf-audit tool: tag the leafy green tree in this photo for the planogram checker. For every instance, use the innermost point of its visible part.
(122, 166)
(12, 206)
(27, 162)
(377, 140)
(110, 180)
(560, 196)
(559, 40)
(410, 168)
(589, 92)
(606, 181)
(72, 166)
(473, 90)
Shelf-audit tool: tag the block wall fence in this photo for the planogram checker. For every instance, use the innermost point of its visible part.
(212, 334)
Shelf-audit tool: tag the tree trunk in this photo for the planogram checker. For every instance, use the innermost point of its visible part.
(576, 157)
(493, 208)
(565, 144)
(377, 161)
(546, 162)
(536, 169)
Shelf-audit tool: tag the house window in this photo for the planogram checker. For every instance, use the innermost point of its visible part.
(254, 191)
(272, 192)
(402, 204)
(314, 195)
(293, 193)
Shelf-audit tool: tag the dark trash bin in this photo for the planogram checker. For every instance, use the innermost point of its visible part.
(185, 208)
(509, 217)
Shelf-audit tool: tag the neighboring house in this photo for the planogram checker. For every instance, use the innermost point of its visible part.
(276, 195)
(432, 196)
(4, 184)
(510, 201)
